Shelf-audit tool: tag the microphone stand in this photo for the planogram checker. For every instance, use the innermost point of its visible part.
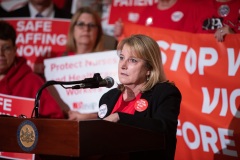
(94, 81)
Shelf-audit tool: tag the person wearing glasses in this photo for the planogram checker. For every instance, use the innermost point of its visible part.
(18, 79)
(85, 33)
(145, 98)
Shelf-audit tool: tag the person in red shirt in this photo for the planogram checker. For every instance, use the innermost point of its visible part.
(223, 19)
(180, 15)
(18, 79)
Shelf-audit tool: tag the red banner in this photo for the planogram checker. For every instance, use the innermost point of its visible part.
(207, 73)
(16, 106)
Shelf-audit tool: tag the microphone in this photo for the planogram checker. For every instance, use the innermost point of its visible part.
(106, 82)
(94, 82)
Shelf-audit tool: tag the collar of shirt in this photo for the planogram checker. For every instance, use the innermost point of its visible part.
(48, 12)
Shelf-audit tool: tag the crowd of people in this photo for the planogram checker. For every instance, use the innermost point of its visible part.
(222, 16)
(218, 17)
(140, 69)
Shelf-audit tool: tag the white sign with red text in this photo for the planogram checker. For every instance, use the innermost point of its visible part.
(77, 68)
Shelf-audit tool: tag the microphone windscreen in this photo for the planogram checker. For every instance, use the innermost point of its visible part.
(110, 82)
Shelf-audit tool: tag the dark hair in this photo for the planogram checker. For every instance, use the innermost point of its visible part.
(7, 32)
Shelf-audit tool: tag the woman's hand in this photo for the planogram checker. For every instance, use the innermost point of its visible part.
(77, 116)
(118, 28)
(112, 117)
(221, 33)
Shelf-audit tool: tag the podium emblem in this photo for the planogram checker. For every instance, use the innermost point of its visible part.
(27, 136)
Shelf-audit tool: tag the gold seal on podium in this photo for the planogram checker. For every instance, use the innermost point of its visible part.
(27, 135)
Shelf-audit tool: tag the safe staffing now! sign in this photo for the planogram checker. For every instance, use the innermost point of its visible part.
(38, 39)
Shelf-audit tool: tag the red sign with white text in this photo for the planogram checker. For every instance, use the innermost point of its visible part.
(38, 39)
(16, 106)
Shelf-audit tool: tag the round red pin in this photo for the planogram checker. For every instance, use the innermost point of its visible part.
(141, 105)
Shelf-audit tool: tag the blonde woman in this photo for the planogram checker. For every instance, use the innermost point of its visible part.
(85, 36)
(85, 32)
(145, 98)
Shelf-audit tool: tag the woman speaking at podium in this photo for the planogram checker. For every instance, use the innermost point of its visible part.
(145, 98)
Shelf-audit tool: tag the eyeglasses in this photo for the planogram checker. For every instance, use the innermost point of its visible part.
(81, 25)
(6, 49)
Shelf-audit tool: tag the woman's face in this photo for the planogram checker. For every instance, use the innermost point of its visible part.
(7, 55)
(85, 30)
(132, 71)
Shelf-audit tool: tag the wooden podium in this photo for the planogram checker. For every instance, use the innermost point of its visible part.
(75, 139)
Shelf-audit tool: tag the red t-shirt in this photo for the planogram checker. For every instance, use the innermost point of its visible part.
(220, 14)
(125, 106)
(182, 16)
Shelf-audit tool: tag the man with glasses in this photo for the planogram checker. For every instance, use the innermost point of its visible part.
(18, 79)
